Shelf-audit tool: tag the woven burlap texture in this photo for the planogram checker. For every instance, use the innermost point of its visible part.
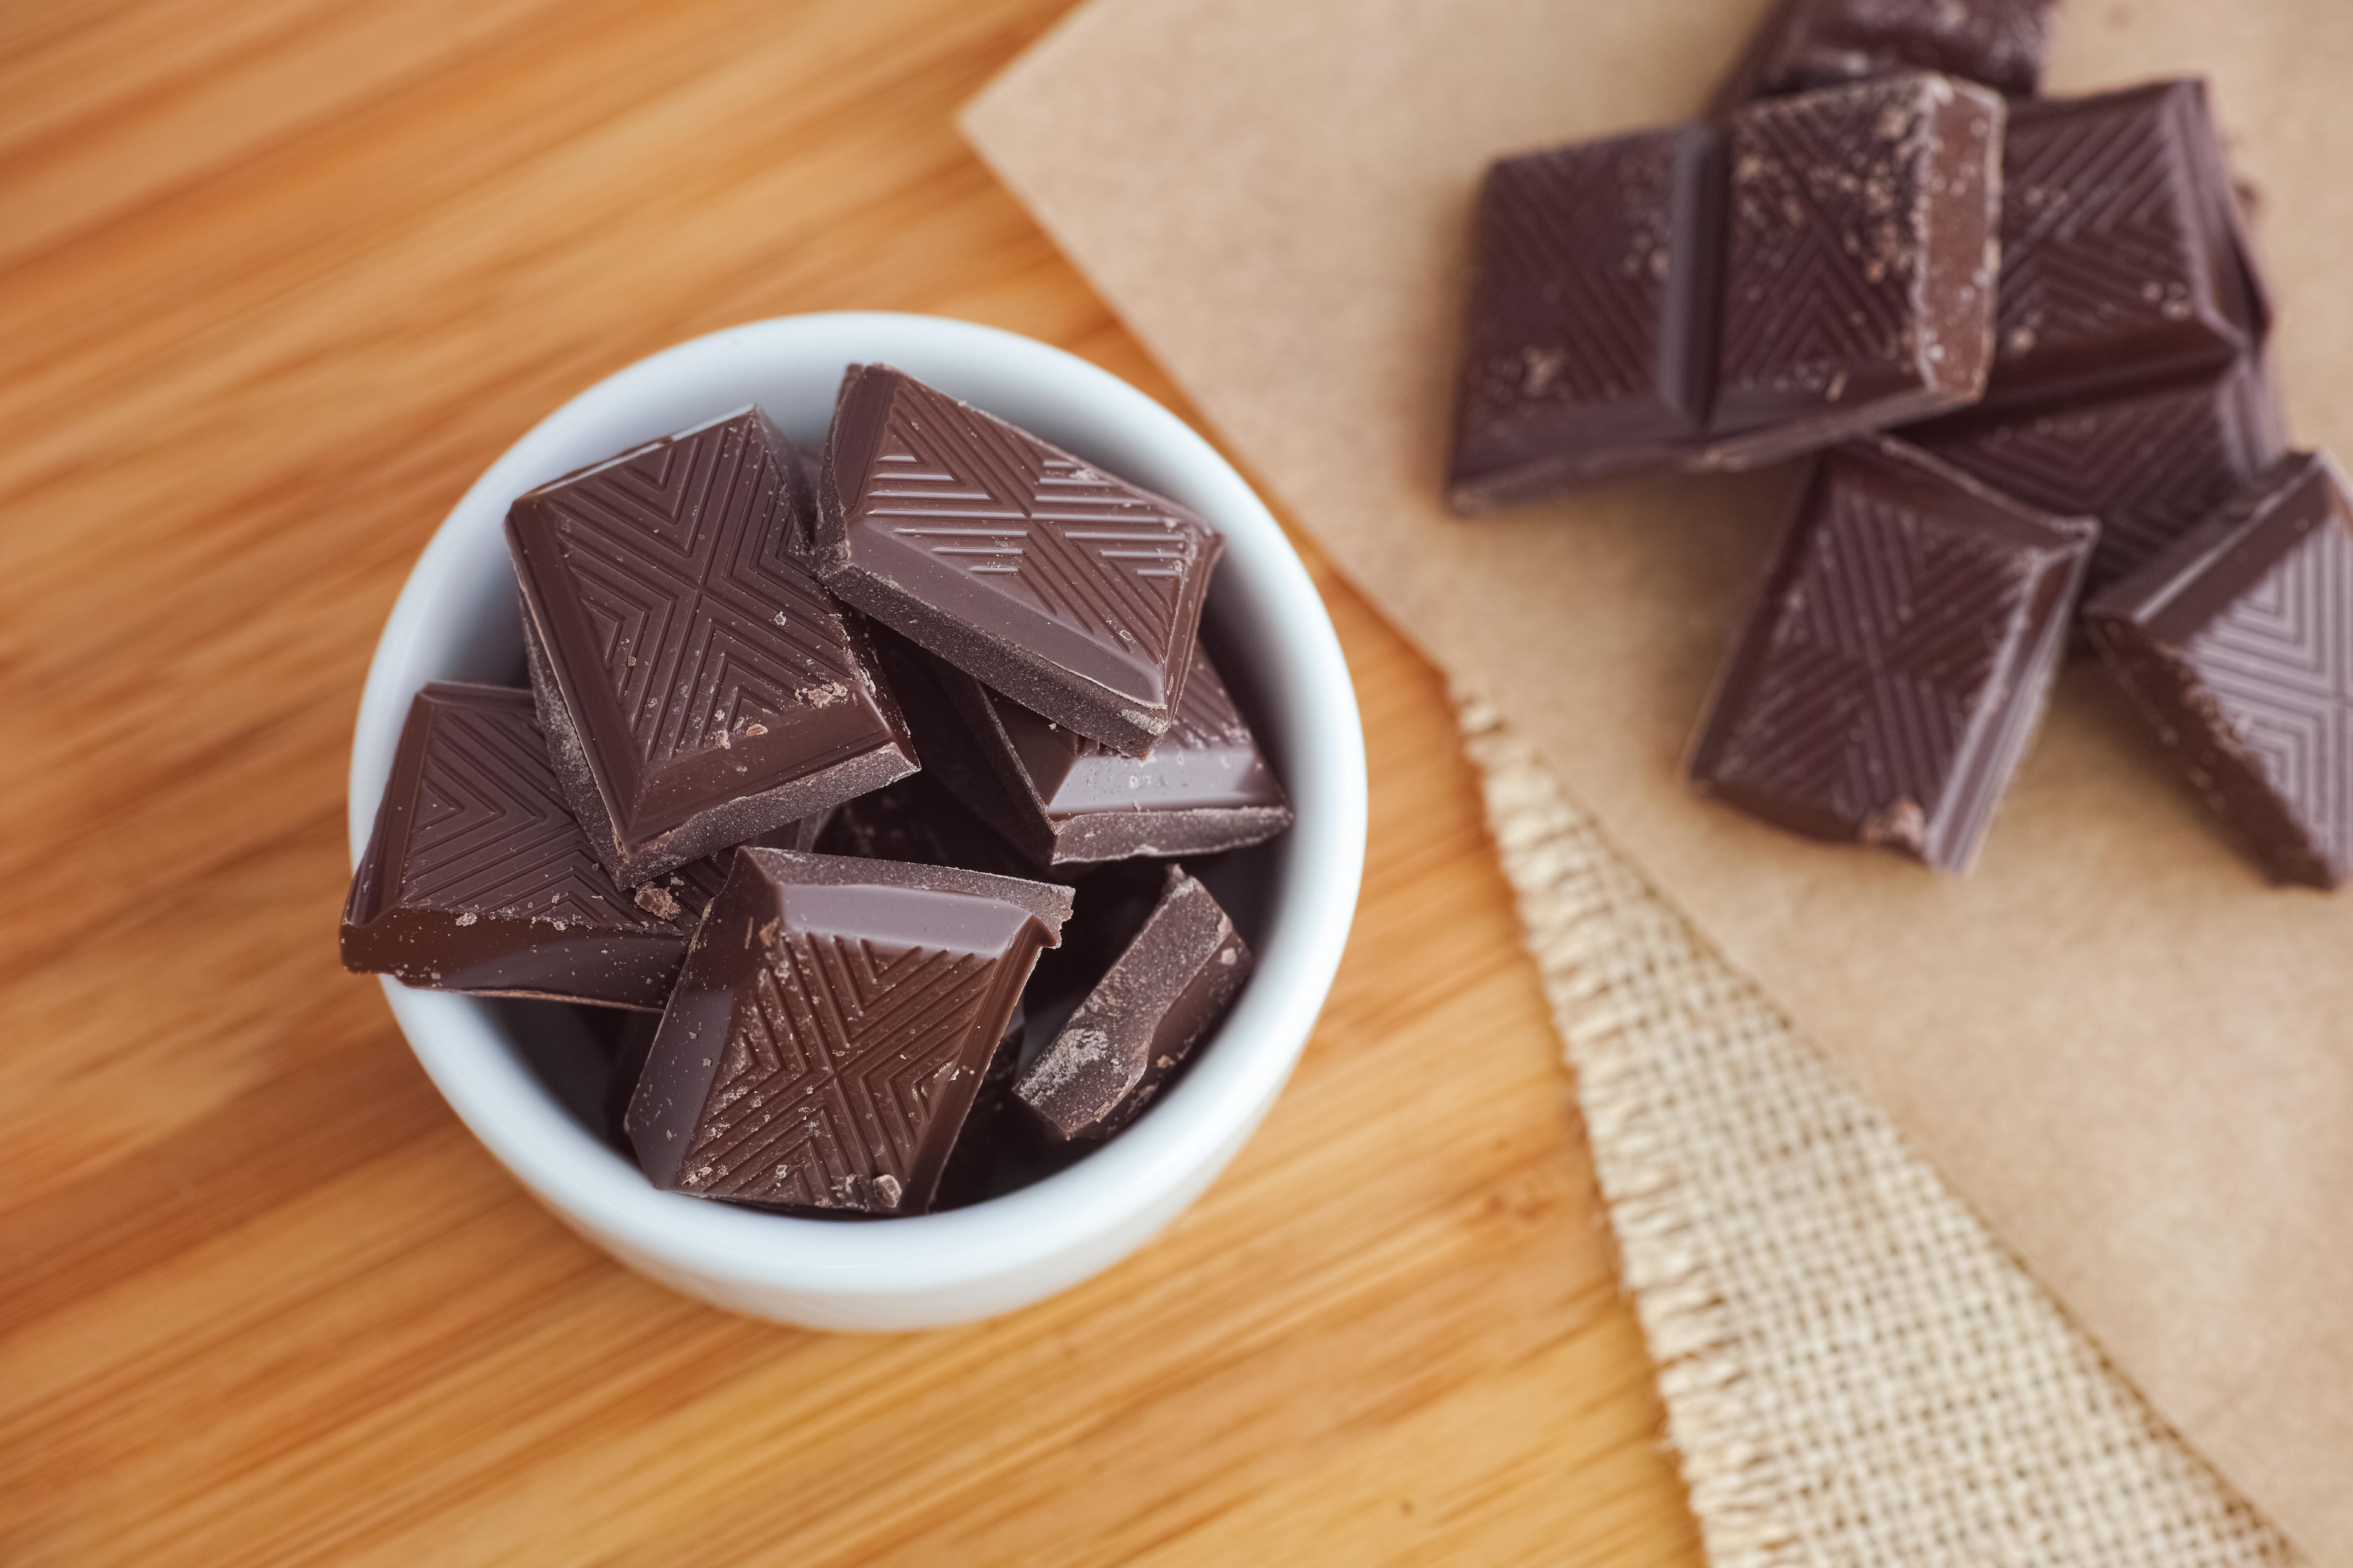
(1854, 1371)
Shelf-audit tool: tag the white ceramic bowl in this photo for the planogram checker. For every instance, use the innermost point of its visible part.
(456, 619)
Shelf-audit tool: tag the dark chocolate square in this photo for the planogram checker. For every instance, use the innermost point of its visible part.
(2123, 260)
(697, 686)
(1590, 342)
(1860, 257)
(1074, 593)
(831, 1027)
(478, 878)
(2150, 462)
(2237, 643)
(1898, 658)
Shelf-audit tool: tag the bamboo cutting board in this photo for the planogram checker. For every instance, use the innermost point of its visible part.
(278, 278)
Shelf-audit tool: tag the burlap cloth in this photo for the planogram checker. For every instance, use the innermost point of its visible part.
(1855, 1373)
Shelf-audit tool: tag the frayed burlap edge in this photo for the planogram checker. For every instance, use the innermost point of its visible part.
(1854, 1373)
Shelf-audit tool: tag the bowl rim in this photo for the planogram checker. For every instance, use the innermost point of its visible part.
(1196, 1125)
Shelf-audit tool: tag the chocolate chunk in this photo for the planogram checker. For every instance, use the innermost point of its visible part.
(2151, 463)
(1591, 340)
(477, 878)
(831, 1027)
(919, 820)
(1819, 43)
(2123, 260)
(1859, 259)
(1067, 801)
(1074, 592)
(1172, 986)
(1898, 658)
(1717, 298)
(2237, 643)
(698, 688)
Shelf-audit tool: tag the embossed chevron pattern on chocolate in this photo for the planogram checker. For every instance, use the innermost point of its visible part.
(1070, 591)
(1898, 658)
(2151, 463)
(1857, 257)
(1590, 342)
(478, 877)
(2122, 261)
(831, 1027)
(699, 687)
(2237, 643)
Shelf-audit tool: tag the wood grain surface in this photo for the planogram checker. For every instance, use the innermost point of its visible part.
(277, 278)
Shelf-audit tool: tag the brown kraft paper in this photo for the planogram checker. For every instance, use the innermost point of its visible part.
(2128, 1054)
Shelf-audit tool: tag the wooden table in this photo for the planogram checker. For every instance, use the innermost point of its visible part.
(278, 278)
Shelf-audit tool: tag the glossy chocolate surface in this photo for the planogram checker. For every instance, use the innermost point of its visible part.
(2237, 644)
(1136, 1027)
(831, 1027)
(1067, 801)
(1074, 593)
(697, 686)
(477, 878)
(1898, 658)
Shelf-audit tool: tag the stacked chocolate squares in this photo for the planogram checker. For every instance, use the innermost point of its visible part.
(873, 987)
(2024, 337)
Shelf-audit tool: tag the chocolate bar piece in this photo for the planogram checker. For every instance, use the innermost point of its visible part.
(1075, 594)
(1898, 658)
(2151, 463)
(477, 878)
(1168, 990)
(1067, 801)
(1720, 298)
(2123, 260)
(1859, 259)
(830, 1028)
(1591, 346)
(698, 688)
(1819, 43)
(2237, 643)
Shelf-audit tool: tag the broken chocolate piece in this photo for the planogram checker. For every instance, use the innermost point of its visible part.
(1167, 991)
(2123, 260)
(1808, 44)
(1075, 594)
(2151, 463)
(1859, 264)
(1066, 800)
(1708, 297)
(698, 688)
(2237, 643)
(1898, 658)
(477, 878)
(1591, 345)
(830, 1028)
